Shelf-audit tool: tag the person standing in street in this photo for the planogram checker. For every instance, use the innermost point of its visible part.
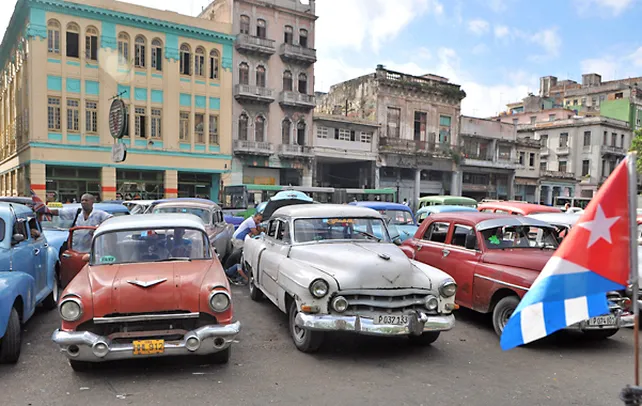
(405, 202)
(250, 226)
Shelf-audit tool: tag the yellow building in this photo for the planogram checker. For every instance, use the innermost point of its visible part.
(64, 62)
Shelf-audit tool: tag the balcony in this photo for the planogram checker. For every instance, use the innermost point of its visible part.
(558, 175)
(250, 43)
(296, 99)
(298, 54)
(611, 150)
(295, 151)
(412, 147)
(253, 94)
(543, 151)
(483, 161)
(564, 150)
(252, 148)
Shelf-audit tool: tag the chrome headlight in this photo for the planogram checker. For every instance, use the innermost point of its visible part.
(431, 303)
(340, 304)
(319, 288)
(219, 301)
(448, 288)
(70, 309)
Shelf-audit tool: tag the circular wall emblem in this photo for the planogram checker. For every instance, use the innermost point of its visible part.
(117, 118)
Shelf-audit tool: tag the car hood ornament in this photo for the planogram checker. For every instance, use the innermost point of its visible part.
(147, 284)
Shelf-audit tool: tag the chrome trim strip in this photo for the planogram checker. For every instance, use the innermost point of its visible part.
(145, 317)
(502, 283)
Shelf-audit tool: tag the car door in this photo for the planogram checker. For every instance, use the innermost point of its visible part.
(23, 254)
(269, 261)
(71, 261)
(429, 248)
(460, 257)
(38, 245)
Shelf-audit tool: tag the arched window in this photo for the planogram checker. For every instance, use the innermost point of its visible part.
(214, 64)
(288, 35)
(123, 48)
(261, 28)
(73, 40)
(186, 59)
(303, 83)
(303, 38)
(245, 24)
(259, 129)
(91, 44)
(157, 54)
(300, 133)
(287, 81)
(53, 36)
(260, 76)
(139, 52)
(244, 74)
(199, 62)
(243, 120)
(286, 130)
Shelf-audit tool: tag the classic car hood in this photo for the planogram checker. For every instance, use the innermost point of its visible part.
(533, 259)
(362, 265)
(55, 238)
(130, 288)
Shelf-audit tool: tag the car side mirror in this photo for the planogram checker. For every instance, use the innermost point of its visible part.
(85, 258)
(17, 239)
(471, 241)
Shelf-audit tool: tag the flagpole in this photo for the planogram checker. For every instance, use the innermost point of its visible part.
(633, 227)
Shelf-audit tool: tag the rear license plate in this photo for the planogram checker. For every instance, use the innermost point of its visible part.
(149, 347)
(396, 320)
(608, 320)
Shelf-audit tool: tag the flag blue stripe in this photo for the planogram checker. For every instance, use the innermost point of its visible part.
(556, 288)
(554, 316)
(512, 334)
(597, 305)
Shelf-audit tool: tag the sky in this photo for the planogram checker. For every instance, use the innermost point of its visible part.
(495, 49)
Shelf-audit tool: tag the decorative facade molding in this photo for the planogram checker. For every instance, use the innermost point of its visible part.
(172, 54)
(108, 42)
(36, 31)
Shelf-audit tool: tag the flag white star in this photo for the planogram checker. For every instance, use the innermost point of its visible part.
(600, 227)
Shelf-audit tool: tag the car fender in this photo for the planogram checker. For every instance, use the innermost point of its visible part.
(14, 285)
(490, 278)
(52, 262)
(295, 278)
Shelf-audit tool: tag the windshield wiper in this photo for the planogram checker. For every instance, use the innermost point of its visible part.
(174, 259)
(371, 236)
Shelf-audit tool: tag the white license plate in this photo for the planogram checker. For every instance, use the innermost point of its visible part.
(396, 320)
(609, 320)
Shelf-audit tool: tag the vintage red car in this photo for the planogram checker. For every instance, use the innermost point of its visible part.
(516, 208)
(151, 287)
(494, 258)
(71, 260)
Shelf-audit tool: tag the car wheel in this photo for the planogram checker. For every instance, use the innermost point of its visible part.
(502, 312)
(221, 357)
(51, 301)
(80, 366)
(425, 338)
(10, 343)
(255, 293)
(600, 334)
(305, 340)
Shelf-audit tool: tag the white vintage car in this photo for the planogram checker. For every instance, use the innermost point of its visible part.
(325, 266)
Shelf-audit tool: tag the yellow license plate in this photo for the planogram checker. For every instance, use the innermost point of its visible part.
(149, 347)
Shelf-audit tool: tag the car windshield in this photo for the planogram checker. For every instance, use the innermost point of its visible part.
(56, 223)
(398, 217)
(149, 245)
(325, 229)
(520, 237)
(204, 214)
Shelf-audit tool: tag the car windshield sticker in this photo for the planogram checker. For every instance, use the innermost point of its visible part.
(494, 240)
(108, 259)
(341, 222)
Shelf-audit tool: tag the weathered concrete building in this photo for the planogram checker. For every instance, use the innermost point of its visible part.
(527, 173)
(273, 67)
(419, 118)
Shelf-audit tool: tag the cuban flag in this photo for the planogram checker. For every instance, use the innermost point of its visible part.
(40, 207)
(592, 260)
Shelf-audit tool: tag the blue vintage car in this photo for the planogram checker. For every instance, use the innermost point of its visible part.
(27, 275)
(399, 215)
(428, 210)
(57, 230)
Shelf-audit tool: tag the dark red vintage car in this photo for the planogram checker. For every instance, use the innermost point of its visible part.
(71, 260)
(494, 258)
(151, 287)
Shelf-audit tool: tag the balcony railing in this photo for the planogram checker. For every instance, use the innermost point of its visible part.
(400, 145)
(297, 53)
(564, 150)
(473, 155)
(295, 150)
(255, 94)
(250, 43)
(296, 99)
(252, 147)
(611, 150)
(558, 175)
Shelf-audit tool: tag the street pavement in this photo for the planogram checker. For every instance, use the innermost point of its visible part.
(464, 367)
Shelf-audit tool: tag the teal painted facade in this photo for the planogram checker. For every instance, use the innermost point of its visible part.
(140, 94)
(215, 103)
(123, 91)
(157, 96)
(92, 87)
(186, 100)
(54, 83)
(73, 85)
(199, 101)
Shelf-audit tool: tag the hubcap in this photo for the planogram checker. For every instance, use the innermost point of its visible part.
(504, 317)
(297, 332)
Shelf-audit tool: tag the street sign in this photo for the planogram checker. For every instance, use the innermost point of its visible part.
(117, 118)
(118, 152)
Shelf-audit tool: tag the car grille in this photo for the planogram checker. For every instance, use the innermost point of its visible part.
(385, 301)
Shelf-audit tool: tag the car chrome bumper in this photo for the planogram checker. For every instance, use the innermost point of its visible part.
(623, 321)
(419, 323)
(81, 345)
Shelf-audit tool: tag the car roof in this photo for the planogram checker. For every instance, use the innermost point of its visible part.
(17, 199)
(17, 207)
(519, 206)
(446, 198)
(325, 210)
(382, 206)
(150, 221)
(142, 202)
(186, 203)
(568, 219)
(107, 207)
(511, 220)
(444, 209)
(475, 217)
(182, 199)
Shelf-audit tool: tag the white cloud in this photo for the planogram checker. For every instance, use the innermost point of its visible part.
(615, 7)
(478, 26)
(423, 53)
(497, 5)
(480, 49)
(548, 39)
(501, 31)
(606, 67)
(636, 57)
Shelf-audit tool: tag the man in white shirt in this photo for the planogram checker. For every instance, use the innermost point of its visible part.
(248, 227)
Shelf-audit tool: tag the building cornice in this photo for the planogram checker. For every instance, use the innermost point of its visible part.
(583, 122)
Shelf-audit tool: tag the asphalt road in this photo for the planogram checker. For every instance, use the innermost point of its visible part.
(464, 367)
